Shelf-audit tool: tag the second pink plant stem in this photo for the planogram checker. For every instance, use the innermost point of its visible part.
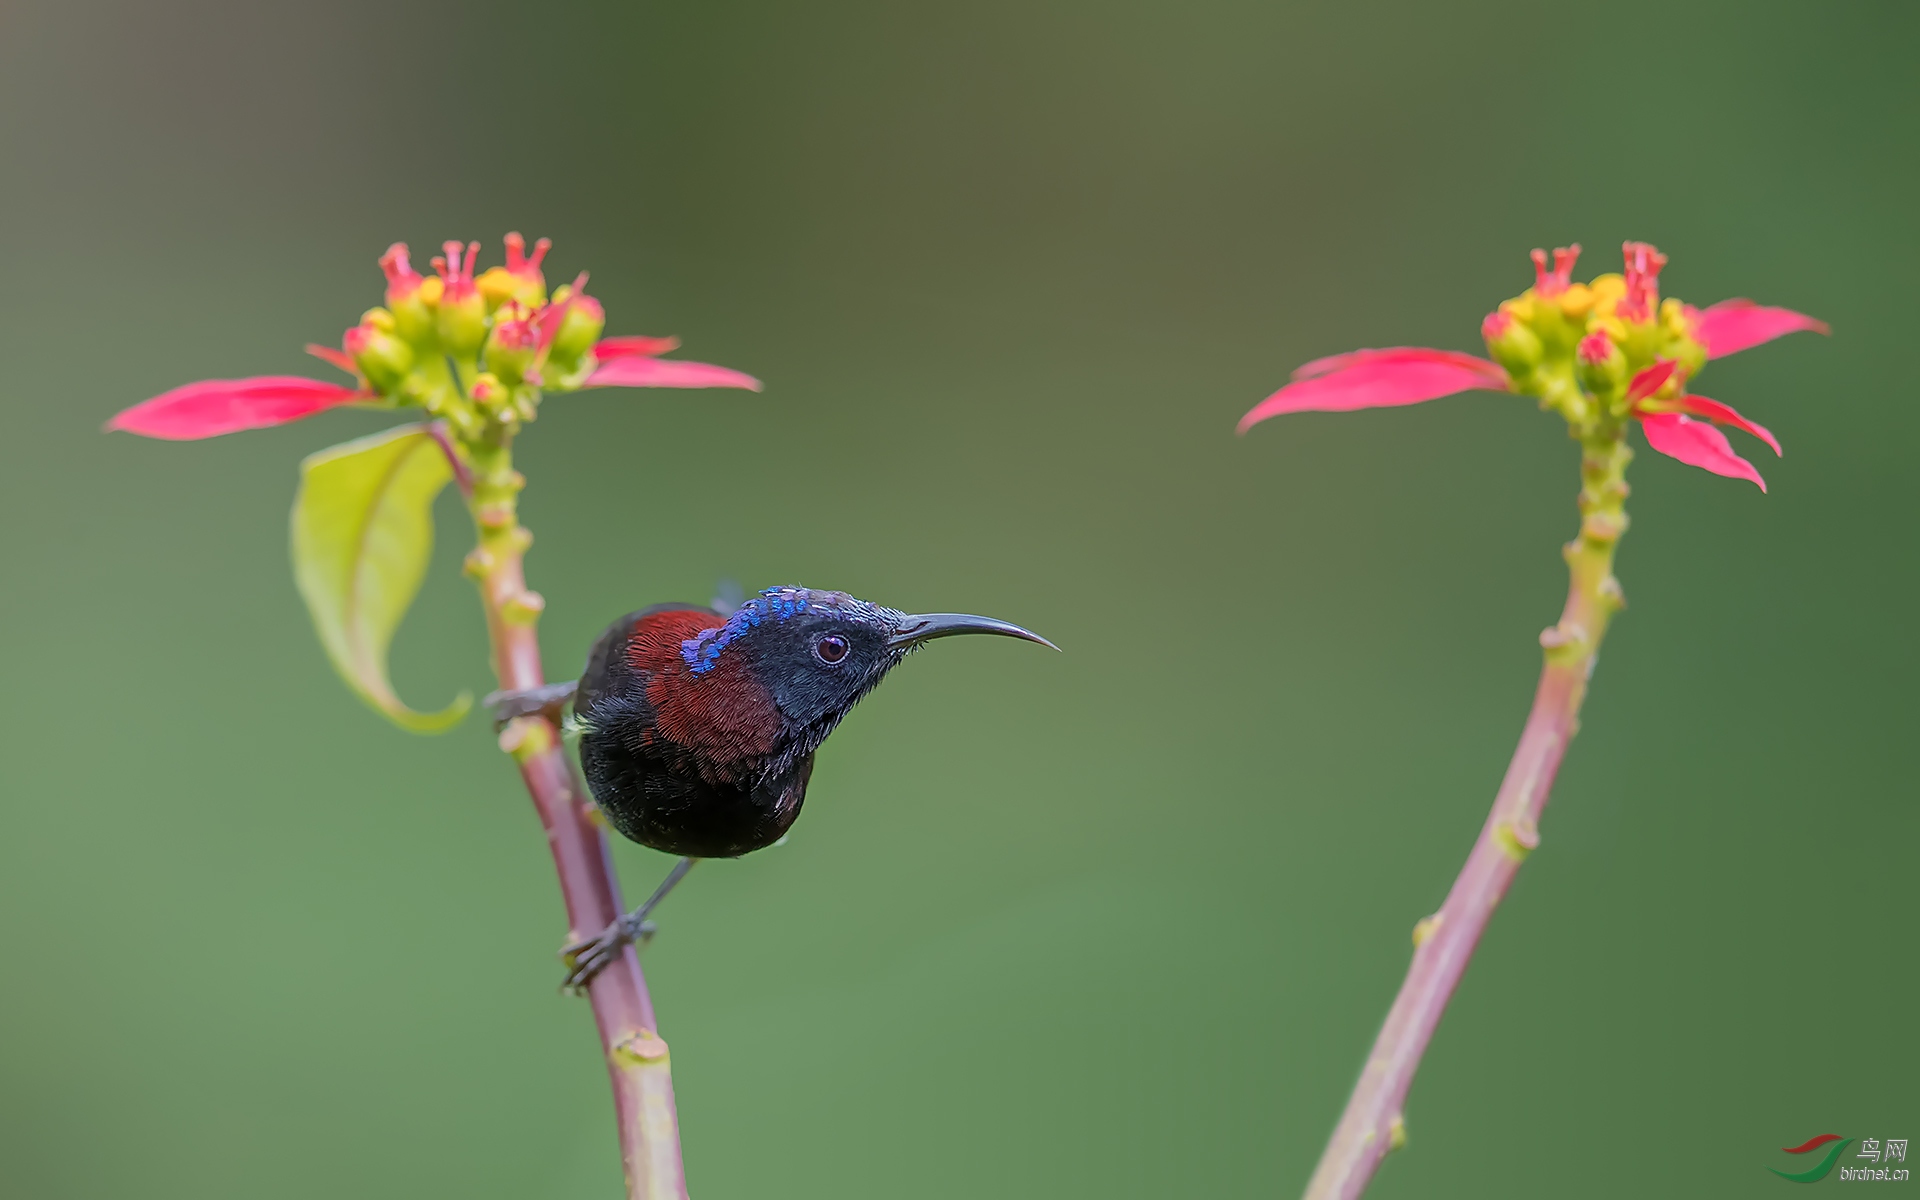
(1444, 942)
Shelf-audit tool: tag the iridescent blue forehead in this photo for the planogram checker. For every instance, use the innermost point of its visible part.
(775, 604)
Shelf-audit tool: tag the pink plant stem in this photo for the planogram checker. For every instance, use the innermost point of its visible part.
(623, 1011)
(1444, 942)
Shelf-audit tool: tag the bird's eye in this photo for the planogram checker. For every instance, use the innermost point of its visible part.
(830, 649)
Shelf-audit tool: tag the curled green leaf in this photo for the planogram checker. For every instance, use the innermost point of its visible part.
(362, 538)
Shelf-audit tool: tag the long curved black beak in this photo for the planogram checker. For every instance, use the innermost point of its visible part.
(924, 627)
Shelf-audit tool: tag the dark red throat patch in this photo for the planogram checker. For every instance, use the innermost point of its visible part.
(725, 714)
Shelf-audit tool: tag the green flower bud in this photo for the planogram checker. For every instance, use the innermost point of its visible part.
(1677, 325)
(411, 297)
(382, 357)
(1511, 343)
(579, 329)
(513, 344)
(1599, 365)
(488, 392)
(520, 279)
(462, 323)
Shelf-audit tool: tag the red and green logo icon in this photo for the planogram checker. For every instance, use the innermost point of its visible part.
(1819, 1170)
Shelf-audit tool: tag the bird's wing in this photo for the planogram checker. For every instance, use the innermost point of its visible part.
(606, 668)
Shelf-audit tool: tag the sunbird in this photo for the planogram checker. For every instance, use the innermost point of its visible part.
(697, 727)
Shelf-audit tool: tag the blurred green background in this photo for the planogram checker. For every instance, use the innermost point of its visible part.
(1118, 922)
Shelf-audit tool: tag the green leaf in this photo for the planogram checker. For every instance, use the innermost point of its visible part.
(362, 537)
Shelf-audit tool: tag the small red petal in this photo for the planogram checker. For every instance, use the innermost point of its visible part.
(402, 279)
(519, 262)
(1735, 325)
(1552, 283)
(607, 349)
(640, 371)
(1723, 414)
(1697, 445)
(1596, 348)
(216, 406)
(339, 358)
(1651, 380)
(1378, 379)
(1643, 264)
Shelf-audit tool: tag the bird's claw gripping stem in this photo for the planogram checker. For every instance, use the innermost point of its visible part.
(588, 958)
(546, 700)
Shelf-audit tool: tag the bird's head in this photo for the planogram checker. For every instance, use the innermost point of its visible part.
(817, 653)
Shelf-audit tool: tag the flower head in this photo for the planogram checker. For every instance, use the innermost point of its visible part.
(506, 338)
(1601, 354)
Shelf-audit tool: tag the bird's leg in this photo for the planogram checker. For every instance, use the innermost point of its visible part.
(586, 959)
(526, 702)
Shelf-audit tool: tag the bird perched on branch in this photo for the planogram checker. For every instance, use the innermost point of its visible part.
(698, 727)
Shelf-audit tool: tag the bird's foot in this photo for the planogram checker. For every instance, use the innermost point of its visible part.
(586, 959)
(526, 702)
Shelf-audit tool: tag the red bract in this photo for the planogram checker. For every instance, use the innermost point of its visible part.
(1735, 325)
(608, 349)
(216, 406)
(633, 361)
(1697, 445)
(1670, 430)
(339, 358)
(1723, 414)
(643, 371)
(1378, 379)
